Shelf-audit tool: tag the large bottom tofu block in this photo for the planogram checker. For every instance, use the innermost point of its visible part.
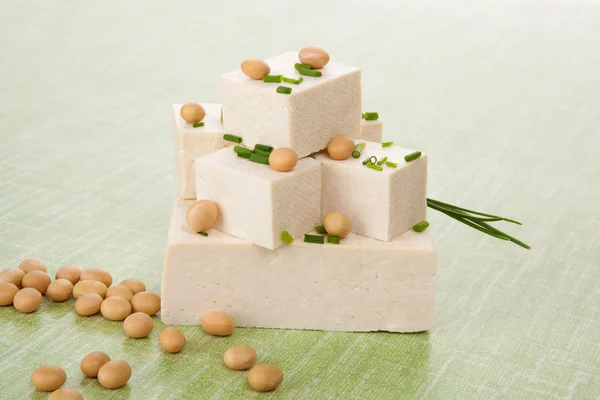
(359, 285)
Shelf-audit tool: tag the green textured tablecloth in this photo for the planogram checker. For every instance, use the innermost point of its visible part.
(505, 96)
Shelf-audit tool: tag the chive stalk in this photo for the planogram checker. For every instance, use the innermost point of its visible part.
(232, 138)
(261, 152)
(370, 116)
(333, 239)
(382, 161)
(301, 66)
(263, 147)
(221, 114)
(421, 226)
(198, 124)
(284, 90)
(205, 234)
(273, 78)
(286, 237)
(314, 239)
(358, 149)
(244, 155)
(293, 81)
(241, 150)
(387, 144)
(259, 159)
(391, 164)
(309, 72)
(412, 156)
(375, 167)
(321, 229)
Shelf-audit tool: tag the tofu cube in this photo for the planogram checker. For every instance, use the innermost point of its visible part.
(379, 204)
(256, 202)
(371, 131)
(191, 143)
(317, 109)
(361, 284)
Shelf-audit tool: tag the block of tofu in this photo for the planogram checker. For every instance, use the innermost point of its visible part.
(257, 203)
(371, 130)
(317, 109)
(359, 285)
(191, 143)
(379, 204)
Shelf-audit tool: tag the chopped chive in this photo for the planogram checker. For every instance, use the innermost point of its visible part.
(292, 80)
(309, 72)
(321, 229)
(312, 155)
(387, 144)
(366, 160)
(382, 161)
(242, 150)
(375, 167)
(314, 239)
(421, 226)
(373, 160)
(333, 239)
(232, 138)
(244, 155)
(273, 78)
(391, 164)
(300, 66)
(203, 234)
(261, 152)
(412, 156)
(259, 159)
(284, 90)
(263, 147)
(221, 114)
(198, 124)
(358, 149)
(286, 237)
(371, 116)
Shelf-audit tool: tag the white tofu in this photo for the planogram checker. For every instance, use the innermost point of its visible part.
(359, 285)
(305, 120)
(371, 131)
(379, 204)
(191, 143)
(256, 202)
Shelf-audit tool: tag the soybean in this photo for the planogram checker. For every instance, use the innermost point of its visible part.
(88, 304)
(171, 340)
(119, 291)
(114, 374)
(31, 264)
(97, 274)
(138, 325)
(255, 69)
(337, 224)
(27, 300)
(202, 215)
(48, 378)
(340, 147)
(265, 377)
(135, 285)
(36, 279)
(91, 364)
(60, 290)
(146, 302)
(314, 57)
(85, 287)
(70, 273)
(283, 159)
(240, 357)
(65, 394)
(13, 275)
(218, 323)
(7, 293)
(115, 308)
(192, 113)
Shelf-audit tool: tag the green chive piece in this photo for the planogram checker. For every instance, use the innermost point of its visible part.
(321, 229)
(382, 161)
(244, 155)
(292, 80)
(300, 66)
(261, 152)
(259, 159)
(387, 144)
(273, 78)
(314, 239)
(371, 116)
(412, 156)
(232, 138)
(203, 234)
(242, 150)
(309, 72)
(286, 237)
(375, 167)
(312, 155)
(284, 90)
(391, 164)
(366, 160)
(263, 147)
(333, 239)
(198, 124)
(421, 226)
(221, 114)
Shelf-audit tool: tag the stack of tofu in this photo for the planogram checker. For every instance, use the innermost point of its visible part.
(381, 277)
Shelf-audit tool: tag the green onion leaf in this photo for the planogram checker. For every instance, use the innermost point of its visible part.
(391, 164)
(382, 161)
(412, 156)
(198, 124)
(320, 229)
(309, 72)
(333, 239)
(300, 66)
(371, 116)
(261, 152)
(263, 147)
(375, 167)
(232, 138)
(387, 144)
(293, 81)
(273, 78)
(421, 226)
(203, 234)
(286, 237)
(314, 239)
(358, 149)
(259, 159)
(221, 114)
(241, 149)
(284, 90)
(244, 155)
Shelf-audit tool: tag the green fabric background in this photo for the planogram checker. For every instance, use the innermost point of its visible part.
(503, 95)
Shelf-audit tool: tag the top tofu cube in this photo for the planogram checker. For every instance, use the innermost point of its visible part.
(379, 204)
(318, 109)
